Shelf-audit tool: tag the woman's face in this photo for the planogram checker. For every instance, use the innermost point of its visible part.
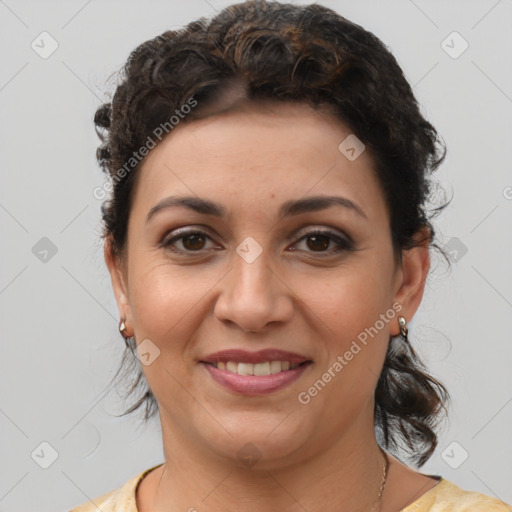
(257, 277)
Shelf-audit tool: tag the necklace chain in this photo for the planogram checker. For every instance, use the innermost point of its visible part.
(383, 481)
(382, 484)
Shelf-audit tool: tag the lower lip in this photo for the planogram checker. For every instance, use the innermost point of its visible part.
(255, 384)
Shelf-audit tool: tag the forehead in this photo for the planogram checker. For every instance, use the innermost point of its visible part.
(258, 153)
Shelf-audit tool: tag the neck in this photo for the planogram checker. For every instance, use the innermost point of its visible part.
(346, 475)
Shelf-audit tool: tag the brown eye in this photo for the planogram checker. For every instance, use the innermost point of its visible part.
(190, 241)
(193, 242)
(315, 242)
(318, 242)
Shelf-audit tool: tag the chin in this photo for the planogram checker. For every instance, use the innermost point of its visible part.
(258, 442)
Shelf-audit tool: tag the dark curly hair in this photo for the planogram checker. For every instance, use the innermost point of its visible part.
(284, 52)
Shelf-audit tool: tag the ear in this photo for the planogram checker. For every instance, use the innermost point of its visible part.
(116, 268)
(411, 277)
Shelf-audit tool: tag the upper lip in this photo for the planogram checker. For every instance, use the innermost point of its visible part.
(262, 356)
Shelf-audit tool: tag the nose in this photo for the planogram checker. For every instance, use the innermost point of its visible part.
(254, 295)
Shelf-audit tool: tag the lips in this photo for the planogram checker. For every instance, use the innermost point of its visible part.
(262, 356)
(255, 373)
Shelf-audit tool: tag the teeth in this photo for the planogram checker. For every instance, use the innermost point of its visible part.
(245, 368)
(276, 366)
(232, 367)
(260, 369)
(267, 368)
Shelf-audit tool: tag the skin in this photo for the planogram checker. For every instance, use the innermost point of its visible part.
(315, 456)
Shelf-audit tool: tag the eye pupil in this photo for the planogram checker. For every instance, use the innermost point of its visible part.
(316, 244)
(194, 237)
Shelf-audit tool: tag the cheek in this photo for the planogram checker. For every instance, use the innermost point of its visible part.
(168, 301)
(165, 304)
(160, 298)
(355, 348)
(347, 306)
(349, 299)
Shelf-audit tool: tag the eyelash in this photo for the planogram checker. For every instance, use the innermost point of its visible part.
(343, 244)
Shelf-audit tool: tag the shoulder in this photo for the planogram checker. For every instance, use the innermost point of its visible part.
(106, 503)
(118, 500)
(448, 497)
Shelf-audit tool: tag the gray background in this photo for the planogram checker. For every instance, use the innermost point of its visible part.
(59, 340)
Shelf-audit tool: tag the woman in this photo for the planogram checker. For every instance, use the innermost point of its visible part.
(266, 257)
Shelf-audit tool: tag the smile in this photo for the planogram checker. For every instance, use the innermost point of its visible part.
(243, 378)
(266, 368)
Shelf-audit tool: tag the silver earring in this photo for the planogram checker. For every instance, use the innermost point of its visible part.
(403, 328)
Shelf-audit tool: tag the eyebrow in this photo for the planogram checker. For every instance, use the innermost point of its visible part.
(289, 208)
